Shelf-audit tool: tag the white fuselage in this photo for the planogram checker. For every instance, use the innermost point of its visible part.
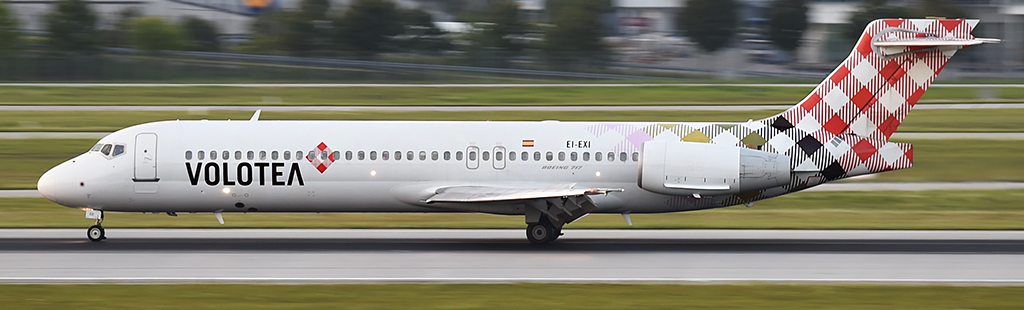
(271, 182)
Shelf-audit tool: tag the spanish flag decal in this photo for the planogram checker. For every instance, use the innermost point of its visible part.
(527, 143)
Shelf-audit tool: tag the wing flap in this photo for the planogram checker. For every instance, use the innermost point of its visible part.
(467, 194)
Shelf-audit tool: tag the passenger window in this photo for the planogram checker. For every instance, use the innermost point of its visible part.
(287, 155)
(433, 156)
(499, 156)
(373, 155)
(188, 155)
(273, 155)
(298, 155)
(213, 155)
(423, 155)
(549, 156)
(384, 155)
(622, 156)
(486, 155)
(561, 156)
(409, 155)
(512, 155)
(536, 155)
(636, 156)
(398, 155)
(200, 155)
(360, 155)
(598, 155)
(263, 155)
(472, 155)
(525, 156)
(586, 156)
(447, 155)
(335, 156)
(250, 155)
(611, 156)
(348, 155)
(238, 155)
(106, 149)
(458, 155)
(573, 156)
(225, 155)
(324, 154)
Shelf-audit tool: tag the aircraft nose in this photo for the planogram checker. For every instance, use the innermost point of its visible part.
(47, 185)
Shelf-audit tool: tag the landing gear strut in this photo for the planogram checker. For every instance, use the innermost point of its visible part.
(95, 232)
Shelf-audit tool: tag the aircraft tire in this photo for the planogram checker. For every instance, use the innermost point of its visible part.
(96, 233)
(540, 233)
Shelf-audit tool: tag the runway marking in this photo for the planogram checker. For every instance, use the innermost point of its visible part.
(493, 280)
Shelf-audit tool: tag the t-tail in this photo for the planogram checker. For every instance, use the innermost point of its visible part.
(842, 128)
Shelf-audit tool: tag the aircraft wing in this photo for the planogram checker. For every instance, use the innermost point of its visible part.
(493, 194)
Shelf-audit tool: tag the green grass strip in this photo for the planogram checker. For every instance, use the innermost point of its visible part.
(24, 160)
(649, 95)
(981, 120)
(973, 210)
(510, 296)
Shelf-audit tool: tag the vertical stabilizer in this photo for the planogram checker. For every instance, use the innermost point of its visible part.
(842, 128)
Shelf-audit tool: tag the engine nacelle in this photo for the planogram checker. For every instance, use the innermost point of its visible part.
(687, 168)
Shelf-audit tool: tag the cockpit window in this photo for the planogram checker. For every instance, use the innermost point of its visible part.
(96, 148)
(118, 150)
(106, 149)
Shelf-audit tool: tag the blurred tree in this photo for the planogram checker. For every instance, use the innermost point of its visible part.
(710, 23)
(367, 26)
(200, 34)
(420, 33)
(268, 31)
(155, 34)
(71, 27)
(118, 33)
(9, 34)
(307, 29)
(787, 22)
(577, 31)
(502, 27)
(871, 10)
(939, 8)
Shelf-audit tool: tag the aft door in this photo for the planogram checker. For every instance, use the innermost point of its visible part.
(145, 158)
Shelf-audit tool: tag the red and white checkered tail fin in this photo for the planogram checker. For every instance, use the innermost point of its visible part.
(871, 92)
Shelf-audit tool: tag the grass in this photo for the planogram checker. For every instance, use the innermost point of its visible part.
(981, 210)
(510, 296)
(22, 161)
(981, 120)
(650, 95)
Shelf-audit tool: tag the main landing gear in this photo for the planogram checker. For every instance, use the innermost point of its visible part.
(95, 232)
(543, 232)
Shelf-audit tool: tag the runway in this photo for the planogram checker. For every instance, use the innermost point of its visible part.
(385, 256)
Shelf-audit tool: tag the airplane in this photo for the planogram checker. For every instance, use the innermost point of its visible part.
(550, 172)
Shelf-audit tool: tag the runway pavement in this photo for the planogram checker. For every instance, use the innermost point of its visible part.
(352, 256)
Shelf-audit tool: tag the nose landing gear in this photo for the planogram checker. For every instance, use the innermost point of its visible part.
(95, 232)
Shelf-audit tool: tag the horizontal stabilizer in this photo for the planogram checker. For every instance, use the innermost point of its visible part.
(932, 41)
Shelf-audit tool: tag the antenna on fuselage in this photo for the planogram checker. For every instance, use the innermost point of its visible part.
(255, 116)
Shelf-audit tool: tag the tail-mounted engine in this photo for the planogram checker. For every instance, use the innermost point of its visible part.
(688, 168)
